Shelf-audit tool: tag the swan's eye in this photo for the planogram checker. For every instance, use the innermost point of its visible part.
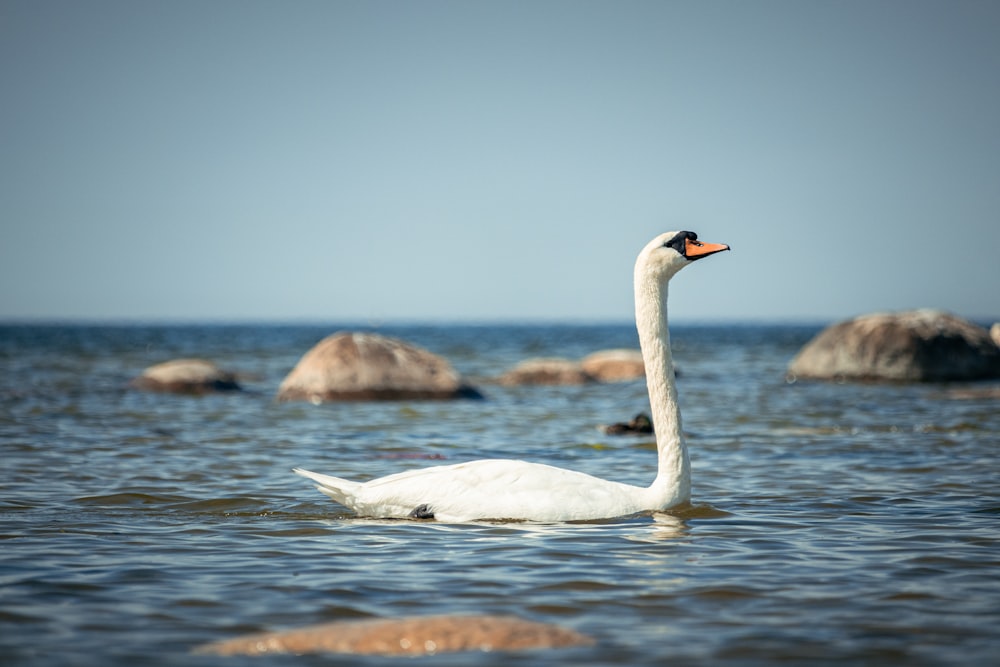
(679, 241)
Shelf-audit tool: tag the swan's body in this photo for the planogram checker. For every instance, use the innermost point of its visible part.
(510, 489)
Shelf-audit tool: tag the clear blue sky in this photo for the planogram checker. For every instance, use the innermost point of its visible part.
(429, 160)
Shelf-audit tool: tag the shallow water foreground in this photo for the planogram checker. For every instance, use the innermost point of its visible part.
(857, 524)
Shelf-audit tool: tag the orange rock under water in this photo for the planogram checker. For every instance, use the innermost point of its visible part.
(420, 635)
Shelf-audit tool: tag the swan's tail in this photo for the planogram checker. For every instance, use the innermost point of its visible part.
(341, 490)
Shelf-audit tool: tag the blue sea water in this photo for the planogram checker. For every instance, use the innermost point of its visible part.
(847, 523)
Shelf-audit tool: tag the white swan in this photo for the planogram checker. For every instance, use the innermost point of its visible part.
(518, 490)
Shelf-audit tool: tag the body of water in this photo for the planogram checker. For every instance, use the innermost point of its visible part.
(848, 523)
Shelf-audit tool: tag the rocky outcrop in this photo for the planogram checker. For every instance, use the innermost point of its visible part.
(546, 371)
(614, 365)
(912, 346)
(186, 376)
(349, 366)
(995, 332)
(413, 636)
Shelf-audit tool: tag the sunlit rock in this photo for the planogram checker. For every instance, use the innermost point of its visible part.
(546, 371)
(414, 636)
(614, 365)
(186, 376)
(365, 366)
(912, 346)
(995, 332)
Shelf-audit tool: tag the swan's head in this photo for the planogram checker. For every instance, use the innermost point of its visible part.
(669, 253)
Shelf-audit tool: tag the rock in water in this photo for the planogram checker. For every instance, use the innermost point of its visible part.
(546, 371)
(413, 636)
(912, 346)
(186, 376)
(614, 365)
(641, 424)
(349, 366)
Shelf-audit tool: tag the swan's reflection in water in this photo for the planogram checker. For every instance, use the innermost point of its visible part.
(651, 526)
(667, 526)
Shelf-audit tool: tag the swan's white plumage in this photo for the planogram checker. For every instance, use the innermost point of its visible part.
(485, 489)
(520, 490)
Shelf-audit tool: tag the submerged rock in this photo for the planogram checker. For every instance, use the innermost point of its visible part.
(912, 346)
(614, 365)
(974, 394)
(413, 636)
(350, 366)
(186, 376)
(546, 371)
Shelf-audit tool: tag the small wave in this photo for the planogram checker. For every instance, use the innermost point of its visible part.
(129, 498)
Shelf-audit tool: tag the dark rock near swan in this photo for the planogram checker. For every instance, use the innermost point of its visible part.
(614, 365)
(546, 371)
(409, 636)
(912, 346)
(641, 424)
(350, 366)
(186, 376)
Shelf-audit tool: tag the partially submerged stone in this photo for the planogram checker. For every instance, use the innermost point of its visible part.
(350, 366)
(546, 371)
(641, 424)
(413, 636)
(913, 346)
(614, 365)
(186, 376)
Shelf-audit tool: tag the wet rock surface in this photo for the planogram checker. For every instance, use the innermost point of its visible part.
(912, 346)
(641, 424)
(186, 376)
(349, 366)
(614, 365)
(546, 371)
(413, 636)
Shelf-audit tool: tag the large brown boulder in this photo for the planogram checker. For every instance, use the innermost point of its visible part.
(186, 376)
(408, 636)
(349, 366)
(614, 365)
(912, 346)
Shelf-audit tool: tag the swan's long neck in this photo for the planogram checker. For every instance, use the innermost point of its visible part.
(673, 479)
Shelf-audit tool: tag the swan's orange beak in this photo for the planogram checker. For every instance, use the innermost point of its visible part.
(697, 249)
